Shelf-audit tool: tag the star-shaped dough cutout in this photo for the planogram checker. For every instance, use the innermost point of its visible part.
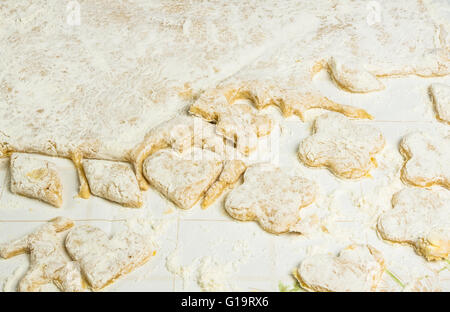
(420, 217)
(426, 159)
(270, 196)
(342, 145)
(357, 268)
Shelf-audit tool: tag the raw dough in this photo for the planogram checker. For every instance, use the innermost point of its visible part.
(420, 217)
(98, 84)
(102, 259)
(183, 178)
(357, 268)
(48, 262)
(440, 94)
(352, 77)
(34, 177)
(114, 181)
(270, 196)
(232, 171)
(426, 159)
(179, 133)
(342, 145)
(237, 121)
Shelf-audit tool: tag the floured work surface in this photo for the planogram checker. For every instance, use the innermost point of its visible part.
(96, 89)
(99, 86)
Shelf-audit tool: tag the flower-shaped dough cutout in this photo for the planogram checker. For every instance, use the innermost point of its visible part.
(114, 181)
(102, 259)
(440, 95)
(357, 268)
(270, 196)
(426, 159)
(183, 178)
(238, 121)
(353, 77)
(48, 262)
(346, 148)
(37, 178)
(180, 134)
(420, 217)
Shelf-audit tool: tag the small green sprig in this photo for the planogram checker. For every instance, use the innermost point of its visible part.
(395, 278)
(286, 288)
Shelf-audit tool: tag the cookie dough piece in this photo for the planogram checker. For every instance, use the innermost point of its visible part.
(183, 178)
(102, 259)
(263, 93)
(238, 121)
(270, 196)
(346, 148)
(353, 78)
(426, 159)
(232, 171)
(48, 262)
(440, 95)
(114, 181)
(35, 178)
(420, 217)
(180, 134)
(357, 268)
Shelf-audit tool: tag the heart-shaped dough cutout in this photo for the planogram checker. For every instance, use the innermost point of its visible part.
(102, 259)
(183, 178)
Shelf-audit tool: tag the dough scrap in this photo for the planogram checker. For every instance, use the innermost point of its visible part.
(236, 120)
(440, 95)
(35, 178)
(346, 148)
(183, 178)
(232, 171)
(114, 181)
(84, 191)
(352, 77)
(426, 159)
(420, 217)
(357, 268)
(263, 93)
(102, 259)
(48, 262)
(270, 196)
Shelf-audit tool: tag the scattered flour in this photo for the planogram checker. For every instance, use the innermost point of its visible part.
(11, 281)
